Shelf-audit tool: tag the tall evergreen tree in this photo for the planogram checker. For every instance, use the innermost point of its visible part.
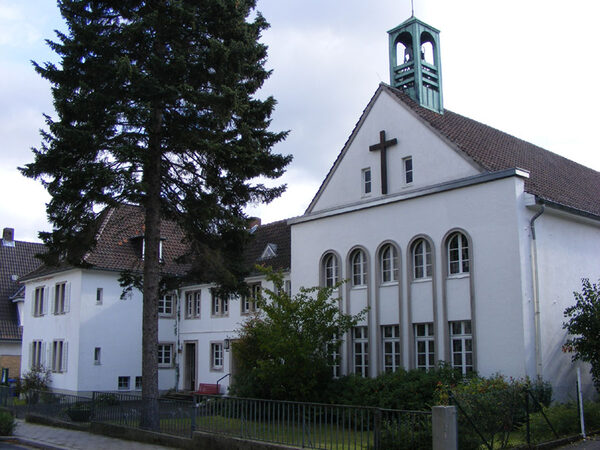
(156, 105)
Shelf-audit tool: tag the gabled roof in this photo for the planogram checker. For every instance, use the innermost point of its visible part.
(14, 263)
(276, 234)
(118, 244)
(551, 177)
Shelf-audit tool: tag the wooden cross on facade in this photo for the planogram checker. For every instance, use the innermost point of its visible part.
(382, 146)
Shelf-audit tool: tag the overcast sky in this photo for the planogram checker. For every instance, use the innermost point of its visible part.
(527, 67)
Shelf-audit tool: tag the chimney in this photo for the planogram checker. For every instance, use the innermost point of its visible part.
(8, 237)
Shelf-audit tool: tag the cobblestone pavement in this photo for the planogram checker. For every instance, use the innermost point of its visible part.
(42, 436)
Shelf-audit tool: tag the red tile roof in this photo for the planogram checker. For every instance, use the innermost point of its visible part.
(551, 176)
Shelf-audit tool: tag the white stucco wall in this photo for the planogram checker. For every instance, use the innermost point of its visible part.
(488, 212)
(433, 160)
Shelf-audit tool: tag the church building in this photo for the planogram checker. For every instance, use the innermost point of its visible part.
(464, 242)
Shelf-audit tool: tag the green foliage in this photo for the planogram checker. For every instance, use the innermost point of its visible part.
(583, 325)
(7, 423)
(402, 389)
(564, 418)
(494, 407)
(284, 352)
(406, 435)
(80, 411)
(32, 382)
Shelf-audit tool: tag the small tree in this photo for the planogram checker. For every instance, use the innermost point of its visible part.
(286, 351)
(583, 325)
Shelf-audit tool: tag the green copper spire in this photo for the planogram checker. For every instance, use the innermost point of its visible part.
(415, 65)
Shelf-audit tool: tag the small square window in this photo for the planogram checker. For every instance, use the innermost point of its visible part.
(97, 352)
(165, 355)
(408, 170)
(123, 383)
(366, 181)
(165, 305)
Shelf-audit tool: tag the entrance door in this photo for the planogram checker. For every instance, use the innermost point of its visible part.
(190, 366)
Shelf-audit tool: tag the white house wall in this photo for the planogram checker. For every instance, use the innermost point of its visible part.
(487, 212)
(433, 160)
(568, 250)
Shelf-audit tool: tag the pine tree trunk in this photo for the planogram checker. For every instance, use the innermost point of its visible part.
(152, 181)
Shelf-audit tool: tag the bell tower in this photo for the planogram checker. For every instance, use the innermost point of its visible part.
(415, 65)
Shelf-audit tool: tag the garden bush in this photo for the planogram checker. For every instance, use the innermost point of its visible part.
(7, 423)
(564, 418)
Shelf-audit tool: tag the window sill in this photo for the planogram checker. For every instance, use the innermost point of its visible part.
(165, 366)
(166, 316)
(191, 317)
(218, 316)
(216, 369)
(458, 275)
(360, 287)
(389, 283)
(421, 280)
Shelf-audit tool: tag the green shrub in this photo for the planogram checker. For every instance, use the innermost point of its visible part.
(7, 423)
(564, 418)
(406, 435)
(80, 412)
(32, 382)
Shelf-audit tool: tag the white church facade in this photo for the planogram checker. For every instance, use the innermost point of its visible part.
(465, 243)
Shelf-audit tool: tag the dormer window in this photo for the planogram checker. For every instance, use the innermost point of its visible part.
(140, 243)
(270, 251)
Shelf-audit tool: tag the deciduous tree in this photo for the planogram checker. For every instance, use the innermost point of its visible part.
(583, 325)
(156, 105)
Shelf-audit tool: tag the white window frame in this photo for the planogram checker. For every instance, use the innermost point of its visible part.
(366, 181)
(389, 264)
(138, 383)
(166, 305)
(39, 301)
(59, 356)
(424, 346)
(193, 302)
(407, 164)
(123, 383)
(166, 356)
(219, 305)
(461, 346)
(61, 298)
(358, 263)
(249, 302)
(390, 340)
(37, 352)
(217, 356)
(360, 350)
(330, 270)
(422, 259)
(458, 254)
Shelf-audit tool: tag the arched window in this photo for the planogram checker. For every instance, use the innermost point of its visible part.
(330, 270)
(458, 254)
(421, 254)
(359, 268)
(389, 263)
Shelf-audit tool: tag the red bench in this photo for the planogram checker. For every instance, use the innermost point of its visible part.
(208, 389)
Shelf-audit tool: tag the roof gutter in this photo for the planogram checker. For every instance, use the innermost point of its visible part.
(536, 292)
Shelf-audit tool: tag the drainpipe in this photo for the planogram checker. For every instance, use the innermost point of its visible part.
(536, 294)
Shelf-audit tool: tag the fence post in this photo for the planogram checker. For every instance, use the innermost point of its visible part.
(377, 428)
(444, 428)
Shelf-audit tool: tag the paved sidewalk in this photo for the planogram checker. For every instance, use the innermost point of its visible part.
(591, 443)
(61, 438)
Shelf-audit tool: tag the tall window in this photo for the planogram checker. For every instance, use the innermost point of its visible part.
(165, 305)
(424, 346)
(360, 338)
(60, 298)
(99, 295)
(36, 354)
(389, 263)
(391, 347)
(335, 360)
(192, 304)
(458, 254)
(249, 301)
(220, 305)
(359, 268)
(216, 356)
(330, 270)
(366, 181)
(138, 383)
(59, 356)
(461, 344)
(97, 353)
(408, 170)
(421, 253)
(165, 355)
(39, 304)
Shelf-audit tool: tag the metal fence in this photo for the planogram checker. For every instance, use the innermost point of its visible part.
(306, 425)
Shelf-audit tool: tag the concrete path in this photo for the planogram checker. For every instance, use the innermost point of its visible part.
(591, 443)
(42, 436)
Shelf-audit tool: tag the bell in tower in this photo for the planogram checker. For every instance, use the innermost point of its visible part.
(419, 76)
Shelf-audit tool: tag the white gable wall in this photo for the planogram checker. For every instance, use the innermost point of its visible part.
(434, 161)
